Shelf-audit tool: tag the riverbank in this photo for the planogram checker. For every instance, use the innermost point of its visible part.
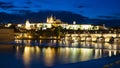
(47, 38)
(107, 62)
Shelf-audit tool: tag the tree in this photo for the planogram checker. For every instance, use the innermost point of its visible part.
(57, 31)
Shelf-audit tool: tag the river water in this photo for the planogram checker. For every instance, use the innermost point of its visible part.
(49, 53)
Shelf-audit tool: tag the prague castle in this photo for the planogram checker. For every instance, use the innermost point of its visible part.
(70, 31)
(52, 21)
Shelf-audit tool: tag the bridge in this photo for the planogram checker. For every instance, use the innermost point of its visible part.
(98, 37)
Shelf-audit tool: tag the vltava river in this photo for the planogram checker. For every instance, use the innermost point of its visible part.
(48, 53)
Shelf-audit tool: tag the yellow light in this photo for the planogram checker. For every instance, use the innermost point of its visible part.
(25, 35)
(86, 54)
(28, 53)
(29, 36)
(86, 27)
(19, 25)
(9, 24)
(26, 56)
(110, 53)
(17, 37)
(27, 25)
(49, 56)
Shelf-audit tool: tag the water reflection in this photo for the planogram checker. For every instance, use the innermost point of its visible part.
(61, 43)
(54, 52)
(50, 56)
(27, 55)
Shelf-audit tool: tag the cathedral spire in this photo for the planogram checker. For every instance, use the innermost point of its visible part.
(50, 19)
(47, 19)
(27, 24)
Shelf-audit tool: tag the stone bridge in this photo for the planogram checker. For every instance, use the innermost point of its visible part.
(94, 37)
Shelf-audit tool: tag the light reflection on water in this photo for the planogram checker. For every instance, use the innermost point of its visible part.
(54, 52)
(51, 55)
(59, 43)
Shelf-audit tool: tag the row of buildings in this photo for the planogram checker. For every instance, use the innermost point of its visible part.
(52, 21)
(87, 31)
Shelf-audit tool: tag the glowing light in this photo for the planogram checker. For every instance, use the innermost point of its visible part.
(8, 25)
(88, 39)
(50, 20)
(97, 53)
(19, 25)
(29, 36)
(85, 27)
(37, 50)
(110, 53)
(25, 35)
(17, 37)
(26, 55)
(86, 54)
(115, 52)
(27, 25)
(49, 56)
(74, 22)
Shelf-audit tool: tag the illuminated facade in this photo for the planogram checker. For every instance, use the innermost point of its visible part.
(75, 26)
(52, 21)
(27, 25)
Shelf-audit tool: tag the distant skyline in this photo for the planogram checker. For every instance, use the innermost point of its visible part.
(101, 9)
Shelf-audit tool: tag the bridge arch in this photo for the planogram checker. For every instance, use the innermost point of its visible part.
(100, 39)
(111, 40)
(117, 39)
(88, 38)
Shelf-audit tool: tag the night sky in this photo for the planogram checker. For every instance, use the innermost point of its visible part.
(93, 9)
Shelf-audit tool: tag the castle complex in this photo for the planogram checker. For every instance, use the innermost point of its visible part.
(52, 21)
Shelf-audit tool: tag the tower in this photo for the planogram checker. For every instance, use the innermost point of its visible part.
(74, 22)
(50, 19)
(27, 25)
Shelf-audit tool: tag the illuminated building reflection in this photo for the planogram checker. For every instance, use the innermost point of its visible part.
(49, 55)
(76, 52)
(30, 53)
(86, 54)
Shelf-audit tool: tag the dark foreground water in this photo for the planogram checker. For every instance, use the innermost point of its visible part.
(49, 53)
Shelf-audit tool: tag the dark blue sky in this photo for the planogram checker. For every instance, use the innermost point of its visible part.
(88, 8)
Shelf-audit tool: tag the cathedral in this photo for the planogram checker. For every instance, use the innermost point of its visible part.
(52, 21)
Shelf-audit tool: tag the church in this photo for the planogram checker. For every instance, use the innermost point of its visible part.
(52, 21)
